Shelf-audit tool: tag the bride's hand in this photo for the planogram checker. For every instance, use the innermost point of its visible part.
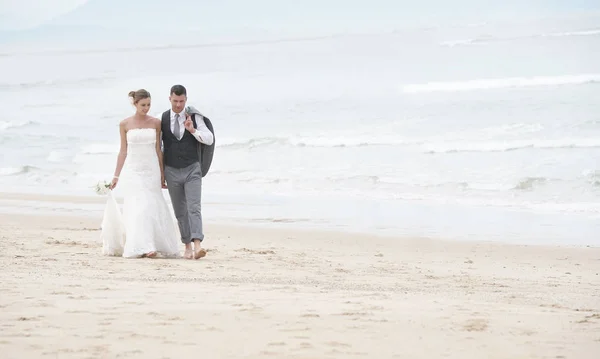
(113, 183)
(163, 183)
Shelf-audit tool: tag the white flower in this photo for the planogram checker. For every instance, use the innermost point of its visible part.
(102, 188)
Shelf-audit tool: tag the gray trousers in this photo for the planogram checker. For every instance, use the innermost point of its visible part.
(185, 189)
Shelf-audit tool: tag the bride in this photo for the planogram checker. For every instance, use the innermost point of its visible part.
(146, 228)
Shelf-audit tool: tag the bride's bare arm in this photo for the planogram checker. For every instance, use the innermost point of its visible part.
(122, 152)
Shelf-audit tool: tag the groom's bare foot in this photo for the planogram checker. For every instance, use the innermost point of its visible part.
(199, 252)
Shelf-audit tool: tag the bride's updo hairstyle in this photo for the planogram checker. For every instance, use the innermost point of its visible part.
(138, 95)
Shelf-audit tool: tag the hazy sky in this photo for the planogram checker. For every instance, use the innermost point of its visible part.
(23, 14)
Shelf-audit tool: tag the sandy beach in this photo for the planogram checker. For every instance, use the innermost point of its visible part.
(277, 293)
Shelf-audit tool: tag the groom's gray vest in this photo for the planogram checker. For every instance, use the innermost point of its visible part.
(184, 152)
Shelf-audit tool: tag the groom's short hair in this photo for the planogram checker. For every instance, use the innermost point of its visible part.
(178, 90)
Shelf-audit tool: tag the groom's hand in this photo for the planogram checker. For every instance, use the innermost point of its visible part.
(189, 125)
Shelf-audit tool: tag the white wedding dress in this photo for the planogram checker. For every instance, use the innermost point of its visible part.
(147, 224)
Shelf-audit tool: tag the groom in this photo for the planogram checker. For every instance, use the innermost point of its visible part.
(188, 145)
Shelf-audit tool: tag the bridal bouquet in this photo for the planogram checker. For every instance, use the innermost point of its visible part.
(102, 188)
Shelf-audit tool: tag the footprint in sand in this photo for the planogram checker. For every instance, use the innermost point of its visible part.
(254, 251)
(304, 329)
(588, 318)
(301, 337)
(310, 315)
(268, 353)
(475, 325)
(354, 314)
(26, 319)
(214, 329)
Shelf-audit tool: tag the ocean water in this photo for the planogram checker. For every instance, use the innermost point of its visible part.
(484, 131)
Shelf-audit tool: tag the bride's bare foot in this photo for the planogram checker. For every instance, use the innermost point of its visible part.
(150, 255)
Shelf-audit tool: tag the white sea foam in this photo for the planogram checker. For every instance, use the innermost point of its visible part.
(100, 148)
(574, 33)
(499, 83)
(504, 146)
(485, 40)
(6, 125)
(452, 43)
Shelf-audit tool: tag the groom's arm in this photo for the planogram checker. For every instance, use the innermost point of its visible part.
(202, 133)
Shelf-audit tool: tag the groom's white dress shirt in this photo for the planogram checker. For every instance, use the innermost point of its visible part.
(202, 133)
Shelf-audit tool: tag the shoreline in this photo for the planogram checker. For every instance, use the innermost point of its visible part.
(293, 294)
(415, 220)
(92, 222)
